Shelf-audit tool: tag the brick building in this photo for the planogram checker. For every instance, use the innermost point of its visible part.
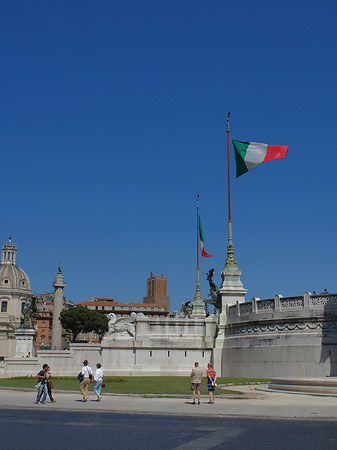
(155, 304)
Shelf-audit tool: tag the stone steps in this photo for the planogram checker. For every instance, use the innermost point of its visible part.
(318, 386)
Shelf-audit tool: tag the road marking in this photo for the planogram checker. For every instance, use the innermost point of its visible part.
(215, 438)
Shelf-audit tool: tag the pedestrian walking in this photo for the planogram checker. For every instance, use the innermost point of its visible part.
(86, 373)
(98, 378)
(211, 379)
(196, 375)
(42, 377)
(50, 385)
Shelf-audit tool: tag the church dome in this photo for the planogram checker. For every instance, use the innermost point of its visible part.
(12, 277)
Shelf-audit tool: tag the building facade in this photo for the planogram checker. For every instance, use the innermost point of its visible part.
(156, 304)
(14, 292)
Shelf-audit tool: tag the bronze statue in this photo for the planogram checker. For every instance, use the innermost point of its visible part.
(209, 276)
(186, 309)
(29, 314)
(213, 288)
(60, 271)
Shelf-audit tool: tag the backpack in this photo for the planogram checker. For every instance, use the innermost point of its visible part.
(80, 377)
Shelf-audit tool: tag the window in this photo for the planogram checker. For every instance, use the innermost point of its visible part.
(3, 306)
(43, 331)
(137, 307)
(130, 307)
(150, 352)
(168, 354)
(43, 324)
(102, 308)
(185, 354)
(203, 354)
(43, 314)
(96, 307)
(42, 340)
(144, 309)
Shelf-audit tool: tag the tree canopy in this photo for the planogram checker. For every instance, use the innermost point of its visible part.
(83, 320)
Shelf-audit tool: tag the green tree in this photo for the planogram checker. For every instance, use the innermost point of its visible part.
(99, 323)
(82, 320)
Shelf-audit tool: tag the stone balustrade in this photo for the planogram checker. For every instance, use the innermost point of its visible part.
(279, 306)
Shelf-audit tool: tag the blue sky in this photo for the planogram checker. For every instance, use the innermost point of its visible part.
(112, 120)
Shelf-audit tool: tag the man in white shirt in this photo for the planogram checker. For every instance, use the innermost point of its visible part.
(87, 376)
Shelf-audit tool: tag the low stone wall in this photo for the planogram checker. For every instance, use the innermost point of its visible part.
(162, 346)
(280, 337)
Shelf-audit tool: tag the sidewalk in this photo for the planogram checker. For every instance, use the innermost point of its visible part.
(259, 404)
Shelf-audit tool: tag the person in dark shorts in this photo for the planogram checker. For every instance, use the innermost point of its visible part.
(211, 379)
(196, 375)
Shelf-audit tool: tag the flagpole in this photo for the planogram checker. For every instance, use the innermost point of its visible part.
(229, 174)
(230, 260)
(230, 242)
(198, 302)
(198, 238)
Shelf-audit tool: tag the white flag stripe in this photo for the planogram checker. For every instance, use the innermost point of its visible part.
(255, 154)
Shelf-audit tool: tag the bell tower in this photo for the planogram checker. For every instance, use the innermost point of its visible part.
(157, 291)
(8, 253)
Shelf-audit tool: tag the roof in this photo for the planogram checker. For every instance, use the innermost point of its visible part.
(110, 303)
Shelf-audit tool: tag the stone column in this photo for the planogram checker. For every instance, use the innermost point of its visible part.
(59, 285)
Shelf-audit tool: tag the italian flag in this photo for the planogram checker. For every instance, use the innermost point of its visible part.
(201, 236)
(250, 154)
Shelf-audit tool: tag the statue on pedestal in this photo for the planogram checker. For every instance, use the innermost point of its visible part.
(213, 288)
(30, 314)
(123, 327)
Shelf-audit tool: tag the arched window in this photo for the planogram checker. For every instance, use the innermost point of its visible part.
(3, 306)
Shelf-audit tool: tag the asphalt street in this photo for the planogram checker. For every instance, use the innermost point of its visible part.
(55, 430)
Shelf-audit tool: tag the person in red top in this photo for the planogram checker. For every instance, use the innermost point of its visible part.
(211, 379)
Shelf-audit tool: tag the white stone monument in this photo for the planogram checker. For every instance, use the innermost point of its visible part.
(25, 342)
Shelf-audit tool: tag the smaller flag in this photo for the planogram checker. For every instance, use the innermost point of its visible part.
(203, 252)
(250, 154)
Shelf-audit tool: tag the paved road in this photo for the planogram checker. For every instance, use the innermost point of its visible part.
(45, 429)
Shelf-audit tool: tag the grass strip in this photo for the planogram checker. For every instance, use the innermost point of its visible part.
(136, 385)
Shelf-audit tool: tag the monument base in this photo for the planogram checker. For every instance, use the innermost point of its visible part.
(25, 342)
(318, 386)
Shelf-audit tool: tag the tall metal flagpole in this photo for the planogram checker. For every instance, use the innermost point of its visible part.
(197, 291)
(230, 260)
(229, 174)
(231, 289)
(198, 306)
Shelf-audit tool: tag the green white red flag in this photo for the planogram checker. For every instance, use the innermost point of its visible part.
(250, 154)
(201, 236)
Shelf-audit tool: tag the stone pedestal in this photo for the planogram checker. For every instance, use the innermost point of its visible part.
(25, 342)
(198, 305)
(231, 291)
